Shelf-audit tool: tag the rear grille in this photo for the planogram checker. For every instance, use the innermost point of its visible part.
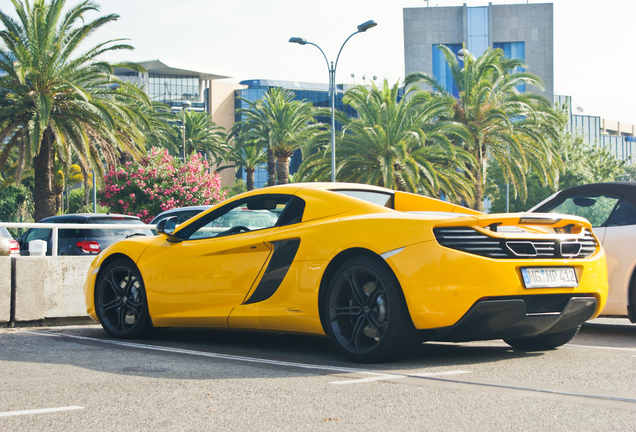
(471, 241)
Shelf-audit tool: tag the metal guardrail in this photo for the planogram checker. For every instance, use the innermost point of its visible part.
(57, 226)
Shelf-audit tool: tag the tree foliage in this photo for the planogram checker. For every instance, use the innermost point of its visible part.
(514, 129)
(280, 124)
(160, 182)
(245, 151)
(396, 141)
(201, 135)
(58, 99)
(582, 164)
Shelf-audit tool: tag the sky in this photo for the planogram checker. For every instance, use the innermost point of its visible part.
(248, 39)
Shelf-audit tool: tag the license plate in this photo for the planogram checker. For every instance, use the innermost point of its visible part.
(549, 277)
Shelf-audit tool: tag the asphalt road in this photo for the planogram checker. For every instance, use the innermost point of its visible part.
(76, 378)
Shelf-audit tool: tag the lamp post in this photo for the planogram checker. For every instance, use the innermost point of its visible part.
(184, 107)
(332, 85)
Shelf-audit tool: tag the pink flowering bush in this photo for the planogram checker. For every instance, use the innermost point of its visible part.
(160, 182)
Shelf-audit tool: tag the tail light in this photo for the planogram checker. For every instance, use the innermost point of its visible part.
(89, 246)
(14, 247)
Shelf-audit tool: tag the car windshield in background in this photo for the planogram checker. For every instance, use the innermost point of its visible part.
(379, 198)
(595, 208)
(98, 232)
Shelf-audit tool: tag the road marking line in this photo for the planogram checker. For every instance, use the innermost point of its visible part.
(433, 374)
(370, 379)
(380, 377)
(39, 411)
(601, 347)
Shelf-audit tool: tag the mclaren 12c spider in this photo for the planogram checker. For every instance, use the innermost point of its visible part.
(376, 270)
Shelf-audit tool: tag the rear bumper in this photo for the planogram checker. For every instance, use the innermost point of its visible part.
(442, 285)
(504, 318)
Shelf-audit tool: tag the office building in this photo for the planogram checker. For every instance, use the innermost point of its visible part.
(522, 31)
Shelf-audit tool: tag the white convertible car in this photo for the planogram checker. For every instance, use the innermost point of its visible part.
(611, 208)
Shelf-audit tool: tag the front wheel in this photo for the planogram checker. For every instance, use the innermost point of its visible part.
(543, 342)
(367, 316)
(120, 301)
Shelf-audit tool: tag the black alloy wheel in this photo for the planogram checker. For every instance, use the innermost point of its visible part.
(120, 301)
(367, 316)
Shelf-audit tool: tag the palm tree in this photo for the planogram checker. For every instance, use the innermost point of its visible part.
(398, 142)
(66, 176)
(281, 124)
(201, 135)
(57, 100)
(515, 129)
(245, 152)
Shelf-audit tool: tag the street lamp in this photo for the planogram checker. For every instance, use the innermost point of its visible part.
(184, 107)
(332, 85)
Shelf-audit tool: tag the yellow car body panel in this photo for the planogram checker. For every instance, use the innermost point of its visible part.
(237, 281)
(428, 291)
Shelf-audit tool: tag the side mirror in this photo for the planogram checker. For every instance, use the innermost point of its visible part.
(167, 226)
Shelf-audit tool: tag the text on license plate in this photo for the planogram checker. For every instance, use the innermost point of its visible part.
(549, 277)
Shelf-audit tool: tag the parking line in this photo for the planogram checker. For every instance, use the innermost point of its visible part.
(380, 377)
(39, 411)
(434, 374)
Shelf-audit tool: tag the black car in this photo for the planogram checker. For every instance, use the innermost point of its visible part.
(80, 241)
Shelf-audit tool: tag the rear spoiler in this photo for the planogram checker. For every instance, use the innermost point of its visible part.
(539, 223)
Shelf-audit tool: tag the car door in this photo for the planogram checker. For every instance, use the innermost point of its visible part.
(198, 280)
(618, 242)
(607, 214)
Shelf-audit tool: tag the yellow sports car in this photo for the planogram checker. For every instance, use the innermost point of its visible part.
(378, 271)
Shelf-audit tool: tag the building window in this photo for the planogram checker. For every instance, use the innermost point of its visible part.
(167, 88)
(514, 50)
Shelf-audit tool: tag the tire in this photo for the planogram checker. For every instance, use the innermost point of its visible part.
(120, 301)
(366, 314)
(543, 342)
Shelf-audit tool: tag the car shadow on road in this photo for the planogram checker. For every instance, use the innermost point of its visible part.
(170, 352)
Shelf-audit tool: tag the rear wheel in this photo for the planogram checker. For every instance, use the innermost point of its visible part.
(120, 301)
(543, 342)
(367, 316)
